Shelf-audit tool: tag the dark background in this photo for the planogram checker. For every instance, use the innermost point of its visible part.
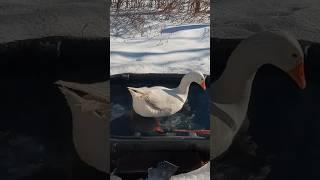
(35, 129)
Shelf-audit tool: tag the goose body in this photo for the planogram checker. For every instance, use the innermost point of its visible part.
(227, 119)
(160, 101)
(157, 101)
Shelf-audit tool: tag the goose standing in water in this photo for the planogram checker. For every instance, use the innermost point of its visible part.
(230, 94)
(160, 101)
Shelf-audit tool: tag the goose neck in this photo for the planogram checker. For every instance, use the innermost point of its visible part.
(232, 88)
(184, 85)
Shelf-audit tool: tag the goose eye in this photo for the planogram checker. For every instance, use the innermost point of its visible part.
(294, 55)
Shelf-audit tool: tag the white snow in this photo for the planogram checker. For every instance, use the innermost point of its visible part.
(27, 19)
(239, 19)
(154, 44)
(163, 49)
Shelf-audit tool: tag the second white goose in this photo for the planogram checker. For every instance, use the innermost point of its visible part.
(230, 94)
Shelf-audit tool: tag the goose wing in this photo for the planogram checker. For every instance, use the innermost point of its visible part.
(158, 98)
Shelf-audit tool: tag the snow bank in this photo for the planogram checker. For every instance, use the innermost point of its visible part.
(26, 19)
(170, 49)
(238, 19)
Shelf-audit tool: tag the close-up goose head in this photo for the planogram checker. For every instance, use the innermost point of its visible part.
(278, 48)
(197, 77)
(286, 54)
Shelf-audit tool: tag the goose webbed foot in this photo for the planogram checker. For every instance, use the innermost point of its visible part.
(158, 128)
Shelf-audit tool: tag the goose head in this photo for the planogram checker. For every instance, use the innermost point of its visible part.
(286, 53)
(280, 49)
(197, 77)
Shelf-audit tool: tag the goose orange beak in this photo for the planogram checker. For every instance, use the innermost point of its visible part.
(297, 74)
(203, 84)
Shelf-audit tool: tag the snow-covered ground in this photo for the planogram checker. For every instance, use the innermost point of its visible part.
(161, 47)
(238, 19)
(177, 49)
(156, 52)
(26, 19)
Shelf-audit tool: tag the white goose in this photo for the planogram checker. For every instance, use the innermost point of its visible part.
(160, 101)
(230, 94)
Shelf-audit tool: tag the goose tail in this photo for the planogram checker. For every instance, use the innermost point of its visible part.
(135, 91)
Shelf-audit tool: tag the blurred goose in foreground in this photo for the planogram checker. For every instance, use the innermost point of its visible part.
(160, 101)
(90, 107)
(230, 94)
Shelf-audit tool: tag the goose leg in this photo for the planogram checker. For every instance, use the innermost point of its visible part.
(158, 128)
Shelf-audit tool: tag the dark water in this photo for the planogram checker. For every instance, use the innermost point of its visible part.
(194, 114)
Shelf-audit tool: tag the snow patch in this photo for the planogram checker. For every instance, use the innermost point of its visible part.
(175, 49)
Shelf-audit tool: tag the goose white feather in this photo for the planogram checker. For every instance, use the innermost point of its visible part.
(160, 101)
